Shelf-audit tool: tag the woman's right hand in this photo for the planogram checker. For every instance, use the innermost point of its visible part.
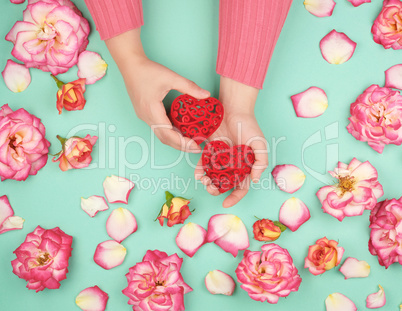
(148, 83)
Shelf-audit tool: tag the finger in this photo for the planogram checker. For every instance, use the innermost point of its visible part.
(164, 130)
(211, 188)
(259, 147)
(186, 86)
(199, 170)
(175, 140)
(238, 193)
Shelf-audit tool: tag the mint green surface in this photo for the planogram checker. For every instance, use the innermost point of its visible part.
(183, 35)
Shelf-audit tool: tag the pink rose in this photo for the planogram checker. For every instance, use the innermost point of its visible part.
(76, 152)
(376, 117)
(357, 189)
(268, 275)
(23, 146)
(387, 28)
(156, 283)
(42, 259)
(323, 255)
(386, 232)
(51, 35)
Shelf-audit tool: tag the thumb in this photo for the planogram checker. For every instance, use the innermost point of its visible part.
(186, 86)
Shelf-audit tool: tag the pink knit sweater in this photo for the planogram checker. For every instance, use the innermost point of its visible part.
(248, 31)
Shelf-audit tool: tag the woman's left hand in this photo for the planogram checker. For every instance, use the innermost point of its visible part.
(239, 127)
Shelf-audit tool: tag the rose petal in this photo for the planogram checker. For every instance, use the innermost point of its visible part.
(109, 254)
(117, 189)
(190, 238)
(228, 232)
(353, 268)
(91, 66)
(339, 302)
(16, 76)
(393, 77)
(337, 48)
(93, 205)
(12, 223)
(320, 8)
(218, 282)
(293, 213)
(120, 224)
(311, 103)
(5, 209)
(92, 299)
(358, 2)
(17, 1)
(288, 177)
(376, 300)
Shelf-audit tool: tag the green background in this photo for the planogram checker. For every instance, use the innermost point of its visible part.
(183, 35)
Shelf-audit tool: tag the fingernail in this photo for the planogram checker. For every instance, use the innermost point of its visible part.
(204, 93)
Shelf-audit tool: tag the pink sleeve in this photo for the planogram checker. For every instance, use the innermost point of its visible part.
(113, 17)
(248, 31)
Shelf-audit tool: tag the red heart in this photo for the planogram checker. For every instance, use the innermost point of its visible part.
(196, 119)
(227, 167)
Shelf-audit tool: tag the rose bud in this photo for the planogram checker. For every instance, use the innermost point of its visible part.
(267, 230)
(323, 256)
(76, 152)
(175, 210)
(70, 96)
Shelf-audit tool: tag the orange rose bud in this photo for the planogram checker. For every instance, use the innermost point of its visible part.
(267, 230)
(70, 96)
(76, 152)
(175, 210)
(323, 256)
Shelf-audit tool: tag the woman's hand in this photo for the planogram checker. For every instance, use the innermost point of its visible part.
(148, 83)
(239, 126)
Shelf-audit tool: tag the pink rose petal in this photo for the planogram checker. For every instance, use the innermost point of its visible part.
(218, 282)
(117, 189)
(16, 76)
(311, 103)
(5, 209)
(293, 213)
(358, 2)
(7, 219)
(320, 8)
(228, 232)
(120, 224)
(393, 77)
(337, 48)
(91, 66)
(376, 300)
(92, 299)
(17, 1)
(93, 205)
(288, 177)
(190, 238)
(353, 268)
(109, 254)
(339, 302)
(12, 223)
